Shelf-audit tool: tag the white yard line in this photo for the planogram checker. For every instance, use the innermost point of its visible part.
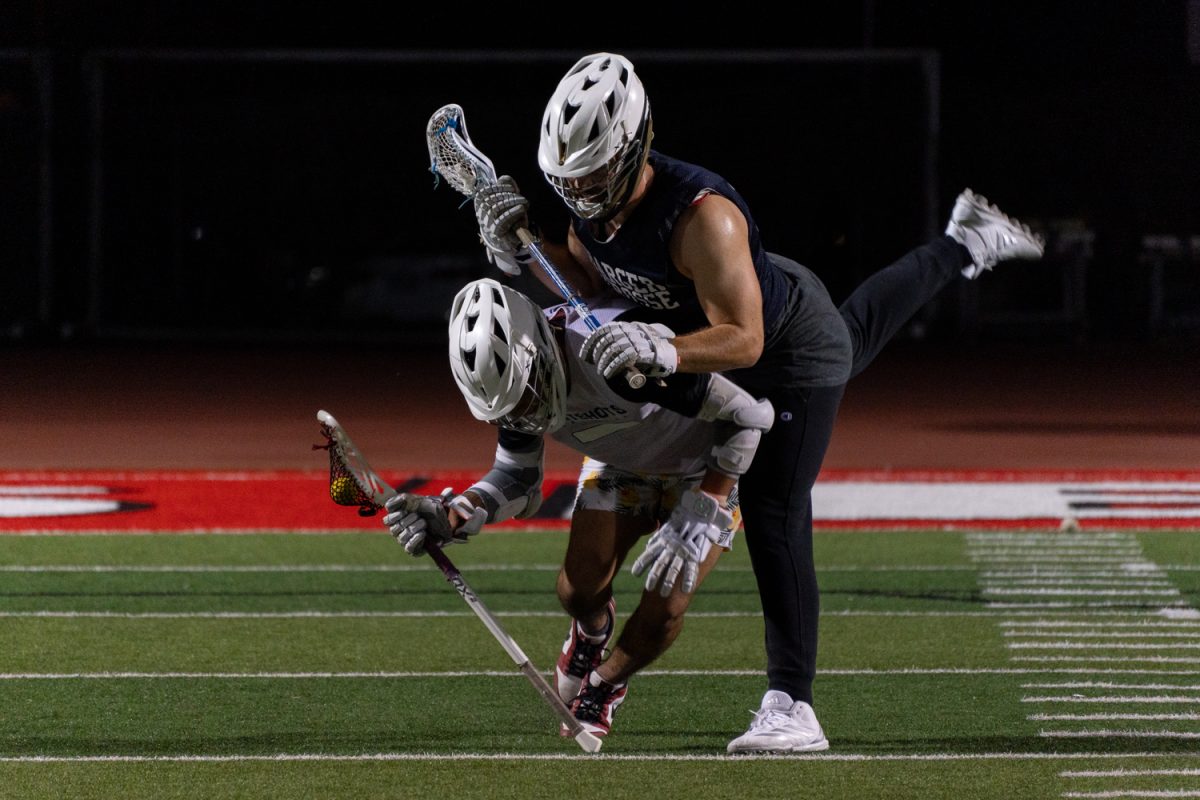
(1007, 614)
(1091, 634)
(1109, 659)
(1061, 623)
(1042, 592)
(1105, 733)
(1065, 645)
(1113, 698)
(1100, 717)
(824, 756)
(1186, 687)
(1116, 793)
(1099, 582)
(1126, 773)
(389, 674)
(1164, 608)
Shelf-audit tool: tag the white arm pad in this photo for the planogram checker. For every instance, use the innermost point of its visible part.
(513, 486)
(740, 423)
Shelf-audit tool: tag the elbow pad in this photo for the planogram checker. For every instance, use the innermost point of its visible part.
(513, 486)
(740, 422)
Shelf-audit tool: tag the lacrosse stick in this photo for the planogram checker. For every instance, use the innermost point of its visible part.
(454, 157)
(352, 482)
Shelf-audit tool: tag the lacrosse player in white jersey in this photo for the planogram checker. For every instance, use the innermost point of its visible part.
(647, 470)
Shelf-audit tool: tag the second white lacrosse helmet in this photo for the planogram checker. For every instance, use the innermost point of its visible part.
(505, 360)
(596, 135)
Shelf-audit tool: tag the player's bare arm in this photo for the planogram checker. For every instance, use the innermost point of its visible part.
(710, 246)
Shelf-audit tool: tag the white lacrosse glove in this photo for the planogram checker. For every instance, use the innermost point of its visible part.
(617, 345)
(500, 209)
(414, 518)
(682, 544)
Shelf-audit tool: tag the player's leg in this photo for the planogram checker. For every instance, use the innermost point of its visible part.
(882, 304)
(776, 505)
(613, 509)
(597, 546)
(652, 628)
(657, 621)
(978, 236)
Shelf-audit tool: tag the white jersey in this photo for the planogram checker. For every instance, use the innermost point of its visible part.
(639, 437)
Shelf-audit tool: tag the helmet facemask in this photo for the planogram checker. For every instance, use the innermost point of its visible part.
(541, 407)
(600, 195)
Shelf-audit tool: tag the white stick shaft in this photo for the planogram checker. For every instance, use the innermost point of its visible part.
(587, 741)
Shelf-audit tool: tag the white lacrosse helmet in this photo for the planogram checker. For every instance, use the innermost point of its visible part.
(505, 360)
(596, 136)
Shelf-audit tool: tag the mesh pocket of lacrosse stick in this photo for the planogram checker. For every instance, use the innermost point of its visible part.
(352, 482)
(451, 154)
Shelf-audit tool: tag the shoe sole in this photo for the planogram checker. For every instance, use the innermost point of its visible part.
(815, 747)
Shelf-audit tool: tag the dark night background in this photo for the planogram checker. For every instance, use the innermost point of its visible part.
(249, 171)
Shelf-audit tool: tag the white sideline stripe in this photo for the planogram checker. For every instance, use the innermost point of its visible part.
(1126, 773)
(1003, 590)
(1106, 733)
(1117, 659)
(1134, 793)
(867, 672)
(1057, 539)
(1098, 717)
(898, 568)
(1103, 635)
(300, 568)
(1079, 548)
(1008, 560)
(313, 675)
(1100, 582)
(1067, 623)
(1059, 572)
(296, 614)
(824, 756)
(1099, 646)
(1098, 548)
(1184, 612)
(1178, 604)
(1118, 698)
(1139, 569)
(1187, 687)
(415, 567)
(1008, 614)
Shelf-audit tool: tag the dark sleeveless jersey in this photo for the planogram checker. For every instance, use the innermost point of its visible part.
(805, 342)
(637, 264)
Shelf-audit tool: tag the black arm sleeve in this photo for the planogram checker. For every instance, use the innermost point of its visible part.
(682, 392)
(518, 442)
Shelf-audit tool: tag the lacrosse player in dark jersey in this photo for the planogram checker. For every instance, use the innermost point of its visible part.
(678, 240)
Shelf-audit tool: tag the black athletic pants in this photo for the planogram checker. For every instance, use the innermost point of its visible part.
(776, 493)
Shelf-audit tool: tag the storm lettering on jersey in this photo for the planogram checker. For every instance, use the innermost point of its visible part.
(600, 412)
(637, 288)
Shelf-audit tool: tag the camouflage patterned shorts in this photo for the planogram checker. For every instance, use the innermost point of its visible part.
(605, 488)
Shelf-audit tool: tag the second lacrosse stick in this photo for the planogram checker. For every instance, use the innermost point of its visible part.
(453, 156)
(352, 482)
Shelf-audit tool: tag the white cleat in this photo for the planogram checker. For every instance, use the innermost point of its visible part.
(989, 234)
(781, 726)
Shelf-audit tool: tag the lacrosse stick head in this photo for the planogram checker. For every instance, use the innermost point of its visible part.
(352, 482)
(452, 156)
